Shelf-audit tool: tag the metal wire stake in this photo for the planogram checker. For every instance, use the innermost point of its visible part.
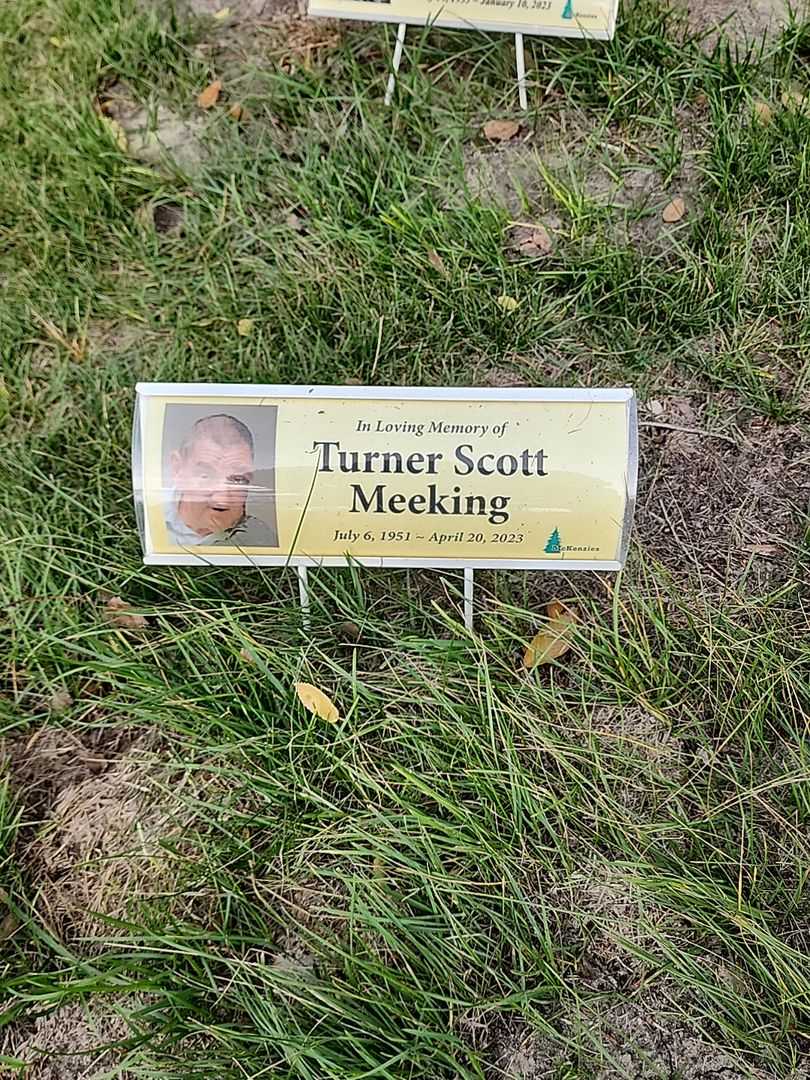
(303, 595)
(468, 597)
(520, 60)
(392, 78)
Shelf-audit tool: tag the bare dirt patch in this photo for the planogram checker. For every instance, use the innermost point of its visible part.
(604, 918)
(516, 1052)
(580, 169)
(240, 11)
(640, 756)
(255, 36)
(44, 762)
(643, 1037)
(107, 337)
(95, 813)
(69, 1043)
(741, 23)
(505, 175)
(293, 955)
(155, 136)
(711, 502)
(637, 735)
(503, 377)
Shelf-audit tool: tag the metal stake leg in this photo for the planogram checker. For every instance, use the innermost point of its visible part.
(468, 597)
(520, 60)
(392, 78)
(303, 595)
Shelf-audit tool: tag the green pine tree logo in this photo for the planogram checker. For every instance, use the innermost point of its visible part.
(553, 545)
(568, 10)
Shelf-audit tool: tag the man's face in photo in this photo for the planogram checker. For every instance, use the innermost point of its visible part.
(212, 478)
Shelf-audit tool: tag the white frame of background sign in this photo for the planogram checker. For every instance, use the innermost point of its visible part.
(576, 31)
(624, 396)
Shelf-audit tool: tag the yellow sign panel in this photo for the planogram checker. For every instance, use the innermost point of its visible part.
(564, 18)
(385, 476)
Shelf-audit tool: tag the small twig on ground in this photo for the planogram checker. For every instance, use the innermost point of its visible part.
(690, 431)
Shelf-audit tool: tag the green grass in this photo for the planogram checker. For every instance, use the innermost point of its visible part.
(471, 851)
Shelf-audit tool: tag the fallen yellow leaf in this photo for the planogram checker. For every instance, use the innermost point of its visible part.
(116, 130)
(244, 327)
(554, 640)
(317, 702)
(57, 42)
(208, 97)
(500, 130)
(236, 110)
(223, 13)
(763, 113)
(674, 210)
(507, 303)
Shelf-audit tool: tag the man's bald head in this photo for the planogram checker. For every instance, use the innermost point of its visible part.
(221, 429)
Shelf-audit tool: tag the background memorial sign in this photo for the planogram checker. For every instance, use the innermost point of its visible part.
(565, 18)
(441, 477)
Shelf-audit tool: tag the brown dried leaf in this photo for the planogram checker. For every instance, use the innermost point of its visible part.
(554, 640)
(208, 98)
(349, 630)
(59, 701)
(9, 925)
(317, 702)
(680, 409)
(538, 242)
(674, 210)
(121, 615)
(296, 221)
(763, 113)
(437, 262)
(236, 111)
(762, 549)
(500, 130)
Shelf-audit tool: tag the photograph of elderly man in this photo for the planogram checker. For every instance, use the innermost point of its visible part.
(212, 478)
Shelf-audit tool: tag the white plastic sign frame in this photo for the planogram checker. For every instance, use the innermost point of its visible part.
(584, 404)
